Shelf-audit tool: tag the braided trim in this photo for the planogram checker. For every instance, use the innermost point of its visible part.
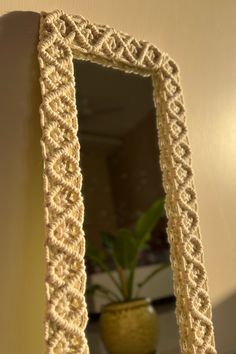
(63, 37)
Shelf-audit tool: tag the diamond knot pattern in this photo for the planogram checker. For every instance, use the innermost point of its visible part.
(63, 37)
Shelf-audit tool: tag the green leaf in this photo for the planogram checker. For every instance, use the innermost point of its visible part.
(148, 221)
(125, 248)
(99, 258)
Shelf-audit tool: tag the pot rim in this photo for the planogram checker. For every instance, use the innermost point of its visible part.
(125, 305)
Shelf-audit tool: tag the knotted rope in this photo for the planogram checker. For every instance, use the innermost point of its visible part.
(63, 37)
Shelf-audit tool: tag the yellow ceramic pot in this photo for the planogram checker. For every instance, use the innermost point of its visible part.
(130, 327)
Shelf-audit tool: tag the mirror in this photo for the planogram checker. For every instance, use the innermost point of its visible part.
(121, 181)
(64, 38)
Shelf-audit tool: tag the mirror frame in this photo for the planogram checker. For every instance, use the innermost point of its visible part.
(66, 37)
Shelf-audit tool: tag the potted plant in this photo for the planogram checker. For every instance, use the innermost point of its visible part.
(128, 323)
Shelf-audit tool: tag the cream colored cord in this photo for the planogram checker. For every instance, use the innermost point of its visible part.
(62, 38)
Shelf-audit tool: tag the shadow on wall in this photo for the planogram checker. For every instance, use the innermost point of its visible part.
(21, 213)
(224, 316)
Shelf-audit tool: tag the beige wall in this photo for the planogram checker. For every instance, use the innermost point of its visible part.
(200, 35)
(21, 238)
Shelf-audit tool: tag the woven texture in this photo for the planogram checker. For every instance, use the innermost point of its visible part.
(62, 38)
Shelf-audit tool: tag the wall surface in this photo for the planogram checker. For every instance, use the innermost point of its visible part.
(200, 35)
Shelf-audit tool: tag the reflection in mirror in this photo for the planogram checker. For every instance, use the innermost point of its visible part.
(127, 250)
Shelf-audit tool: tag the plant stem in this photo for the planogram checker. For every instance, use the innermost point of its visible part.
(107, 270)
(105, 296)
(121, 274)
(154, 272)
(108, 291)
(96, 288)
(131, 277)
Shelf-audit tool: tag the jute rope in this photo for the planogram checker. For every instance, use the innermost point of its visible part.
(62, 38)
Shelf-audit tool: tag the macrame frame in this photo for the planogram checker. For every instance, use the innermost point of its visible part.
(62, 38)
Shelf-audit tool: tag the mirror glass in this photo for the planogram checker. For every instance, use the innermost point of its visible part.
(125, 226)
